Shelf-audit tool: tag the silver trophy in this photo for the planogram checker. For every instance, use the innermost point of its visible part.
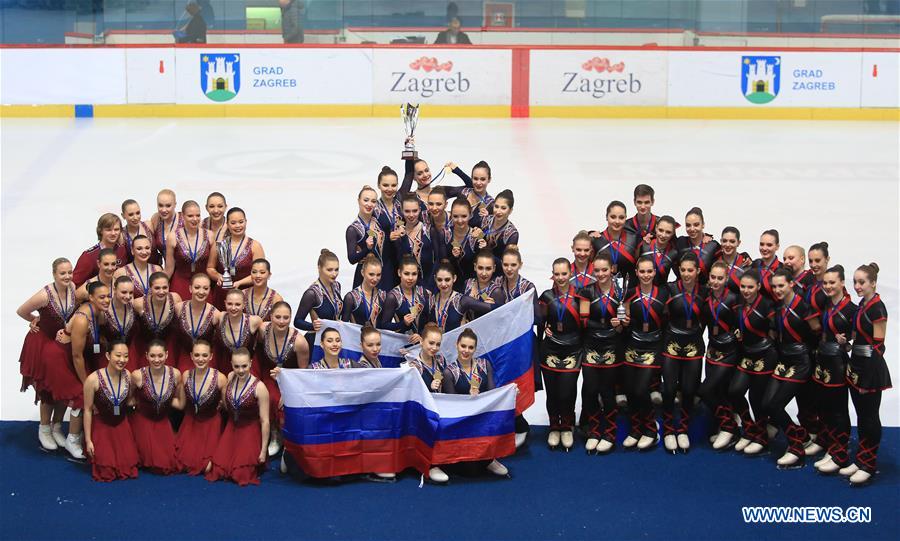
(224, 256)
(410, 115)
(621, 281)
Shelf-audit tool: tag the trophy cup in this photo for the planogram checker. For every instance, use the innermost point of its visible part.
(621, 282)
(410, 115)
(227, 282)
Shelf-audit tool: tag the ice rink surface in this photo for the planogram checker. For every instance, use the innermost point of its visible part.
(297, 180)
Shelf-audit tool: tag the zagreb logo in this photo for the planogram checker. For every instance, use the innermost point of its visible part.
(603, 79)
(220, 76)
(760, 78)
(428, 76)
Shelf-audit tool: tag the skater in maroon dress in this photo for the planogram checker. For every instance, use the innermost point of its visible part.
(54, 304)
(109, 235)
(107, 265)
(242, 451)
(259, 299)
(140, 268)
(196, 321)
(134, 226)
(234, 330)
(215, 221)
(241, 251)
(154, 395)
(65, 382)
(120, 317)
(109, 441)
(187, 251)
(201, 393)
(156, 316)
(278, 345)
(164, 223)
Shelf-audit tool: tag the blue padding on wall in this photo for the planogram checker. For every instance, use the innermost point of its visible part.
(84, 111)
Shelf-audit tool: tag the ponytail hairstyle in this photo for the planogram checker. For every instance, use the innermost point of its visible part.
(369, 260)
(263, 261)
(119, 341)
(157, 342)
(512, 251)
(774, 234)
(785, 273)
(697, 211)
(408, 260)
(188, 204)
(326, 255)
(467, 333)
(821, 247)
(59, 261)
(128, 202)
(753, 274)
(385, 172)
(870, 270)
(445, 265)
(459, 202)
(484, 253)
(430, 328)
(689, 257)
(105, 252)
(605, 257)
(507, 196)
(581, 235)
(839, 269)
(615, 203)
(666, 219)
(732, 229)
(364, 189)
(366, 330)
(482, 165)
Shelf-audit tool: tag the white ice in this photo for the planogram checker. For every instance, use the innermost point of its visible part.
(298, 179)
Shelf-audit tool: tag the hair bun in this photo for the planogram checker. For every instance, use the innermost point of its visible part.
(874, 266)
(824, 244)
(841, 267)
(385, 169)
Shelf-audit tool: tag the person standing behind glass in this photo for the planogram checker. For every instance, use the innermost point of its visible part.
(453, 35)
(292, 20)
(195, 29)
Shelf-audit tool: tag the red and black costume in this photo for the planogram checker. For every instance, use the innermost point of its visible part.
(682, 354)
(644, 343)
(756, 361)
(868, 376)
(663, 259)
(560, 352)
(720, 314)
(621, 249)
(706, 253)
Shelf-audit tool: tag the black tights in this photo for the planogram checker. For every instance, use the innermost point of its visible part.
(868, 421)
(836, 418)
(598, 396)
(753, 426)
(777, 396)
(562, 389)
(714, 392)
(679, 375)
(637, 385)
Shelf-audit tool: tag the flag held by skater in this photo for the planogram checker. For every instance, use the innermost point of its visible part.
(343, 422)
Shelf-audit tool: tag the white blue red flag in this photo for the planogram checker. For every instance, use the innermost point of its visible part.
(349, 421)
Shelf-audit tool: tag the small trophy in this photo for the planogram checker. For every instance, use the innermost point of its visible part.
(621, 281)
(474, 383)
(410, 115)
(227, 282)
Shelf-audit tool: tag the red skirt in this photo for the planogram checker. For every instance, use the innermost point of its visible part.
(115, 455)
(237, 456)
(59, 378)
(181, 282)
(197, 441)
(30, 358)
(259, 368)
(155, 441)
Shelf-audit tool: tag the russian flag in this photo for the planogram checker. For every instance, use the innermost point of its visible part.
(391, 342)
(505, 338)
(344, 422)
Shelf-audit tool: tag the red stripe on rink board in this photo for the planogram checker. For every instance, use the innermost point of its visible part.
(466, 450)
(361, 456)
(521, 60)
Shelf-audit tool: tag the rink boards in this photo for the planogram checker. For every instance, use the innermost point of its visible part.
(480, 81)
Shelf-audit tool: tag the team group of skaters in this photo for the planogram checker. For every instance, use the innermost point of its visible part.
(165, 367)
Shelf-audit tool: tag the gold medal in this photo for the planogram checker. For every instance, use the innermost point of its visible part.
(478, 234)
(373, 233)
(715, 331)
(689, 324)
(646, 327)
(438, 376)
(474, 384)
(559, 327)
(485, 297)
(414, 310)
